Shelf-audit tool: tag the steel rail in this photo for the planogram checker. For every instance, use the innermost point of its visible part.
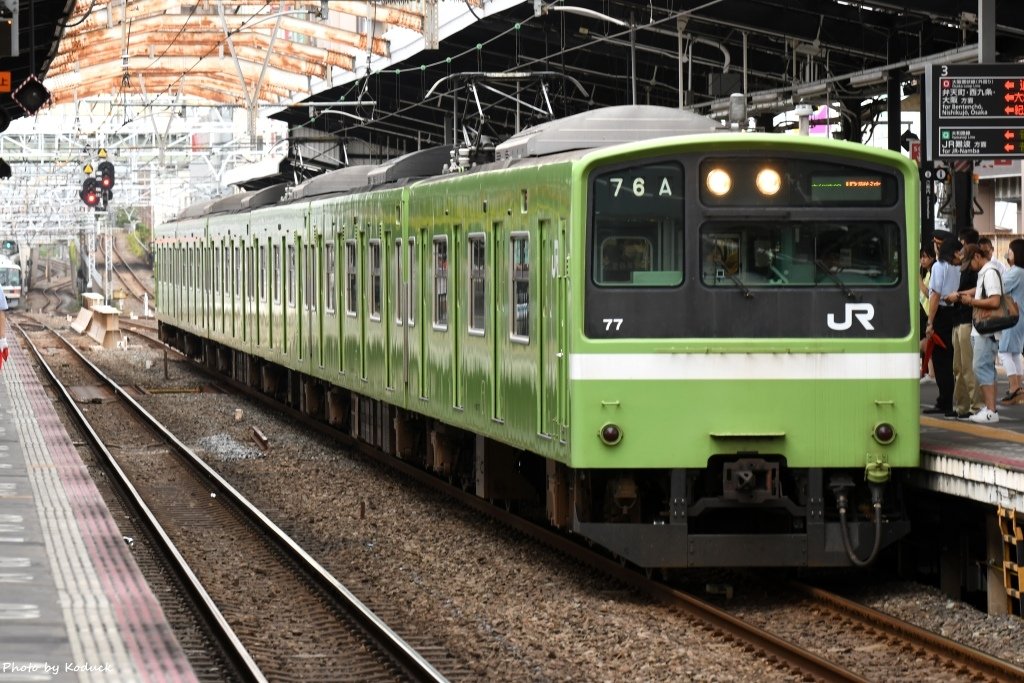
(222, 631)
(414, 664)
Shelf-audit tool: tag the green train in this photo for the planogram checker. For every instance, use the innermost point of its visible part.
(690, 346)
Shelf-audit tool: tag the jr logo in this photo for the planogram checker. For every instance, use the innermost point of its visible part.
(863, 312)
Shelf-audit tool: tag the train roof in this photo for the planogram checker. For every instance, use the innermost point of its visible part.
(600, 128)
(265, 197)
(419, 164)
(342, 180)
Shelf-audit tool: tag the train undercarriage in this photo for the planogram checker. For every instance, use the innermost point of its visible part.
(743, 510)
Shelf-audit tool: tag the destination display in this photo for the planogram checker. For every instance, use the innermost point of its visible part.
(981, 142)
(977, 111)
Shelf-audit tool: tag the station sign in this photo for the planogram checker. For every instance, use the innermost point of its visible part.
(977, 111)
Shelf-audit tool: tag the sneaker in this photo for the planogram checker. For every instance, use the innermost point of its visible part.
(985, 416)
(927, 379)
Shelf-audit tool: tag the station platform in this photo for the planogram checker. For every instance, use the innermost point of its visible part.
(73, 604)
(984, 463)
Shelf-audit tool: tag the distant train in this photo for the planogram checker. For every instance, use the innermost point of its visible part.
(691, 347)
(10, 280)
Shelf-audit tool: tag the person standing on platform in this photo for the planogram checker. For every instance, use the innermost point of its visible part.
(4, 351)
(987, 293)
(927, 261)
(1011, 341)
(944, 281)
(990, 251)
(967, 398)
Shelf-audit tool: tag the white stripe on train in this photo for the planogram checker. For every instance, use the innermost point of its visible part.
(744, 366)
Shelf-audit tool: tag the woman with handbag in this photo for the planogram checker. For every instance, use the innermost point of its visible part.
(1011, 341)
(988, 298)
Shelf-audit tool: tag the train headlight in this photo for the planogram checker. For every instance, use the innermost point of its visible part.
(884, 433)
(610, 434)
(768, 181)
(719, 182)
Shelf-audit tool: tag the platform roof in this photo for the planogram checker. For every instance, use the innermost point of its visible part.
(386, 71)
(534, 61)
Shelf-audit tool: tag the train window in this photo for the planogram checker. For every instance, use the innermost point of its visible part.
(292, 284)
(236, 267)
(396, 279)
(329, 276)
(275, 273)
(351, 278)
(310, 275)
(441, 283)
(771, 253)
(250, 272)
(413, 289)
(375, 280)
(636, 231)
(263, 272)
(477, 284)
(207, 268)
(520, 290)
(224, 282)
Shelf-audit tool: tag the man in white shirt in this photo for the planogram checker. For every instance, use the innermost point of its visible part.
(986, 295)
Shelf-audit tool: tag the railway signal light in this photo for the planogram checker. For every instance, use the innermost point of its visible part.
(106, 175)
(90, 193)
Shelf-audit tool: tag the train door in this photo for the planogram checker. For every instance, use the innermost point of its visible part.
(301, 304)
(551, 327)
(396, 309)
(310, 277)
(498, 264)
(414, 321)
(363, 304)
(456, 264)
(314, 285)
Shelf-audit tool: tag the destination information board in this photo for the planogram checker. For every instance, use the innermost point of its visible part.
(977, 111)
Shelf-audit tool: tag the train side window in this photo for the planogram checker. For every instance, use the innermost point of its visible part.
(440, 283)
(250, 272)
(396, 279)
(477, 284)
(263, 272)
(236, 266)
(312, 274)
(520, 291)
(275, 273)
(207, 268)
(375, 280)
(292, 285)
(329, 276)
(351, 278)
(413, 280)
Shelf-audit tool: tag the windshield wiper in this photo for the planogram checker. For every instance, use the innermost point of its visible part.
(820, 265)
(747, 294)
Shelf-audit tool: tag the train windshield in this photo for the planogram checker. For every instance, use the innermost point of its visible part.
(10, 277)
(800, 253)
(638, 226)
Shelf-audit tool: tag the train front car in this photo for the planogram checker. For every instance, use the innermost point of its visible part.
(744, 371)
(10, 280)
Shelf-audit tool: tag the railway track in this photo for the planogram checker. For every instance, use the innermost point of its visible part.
(824, 637)
(278, 612)
(133, 284)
